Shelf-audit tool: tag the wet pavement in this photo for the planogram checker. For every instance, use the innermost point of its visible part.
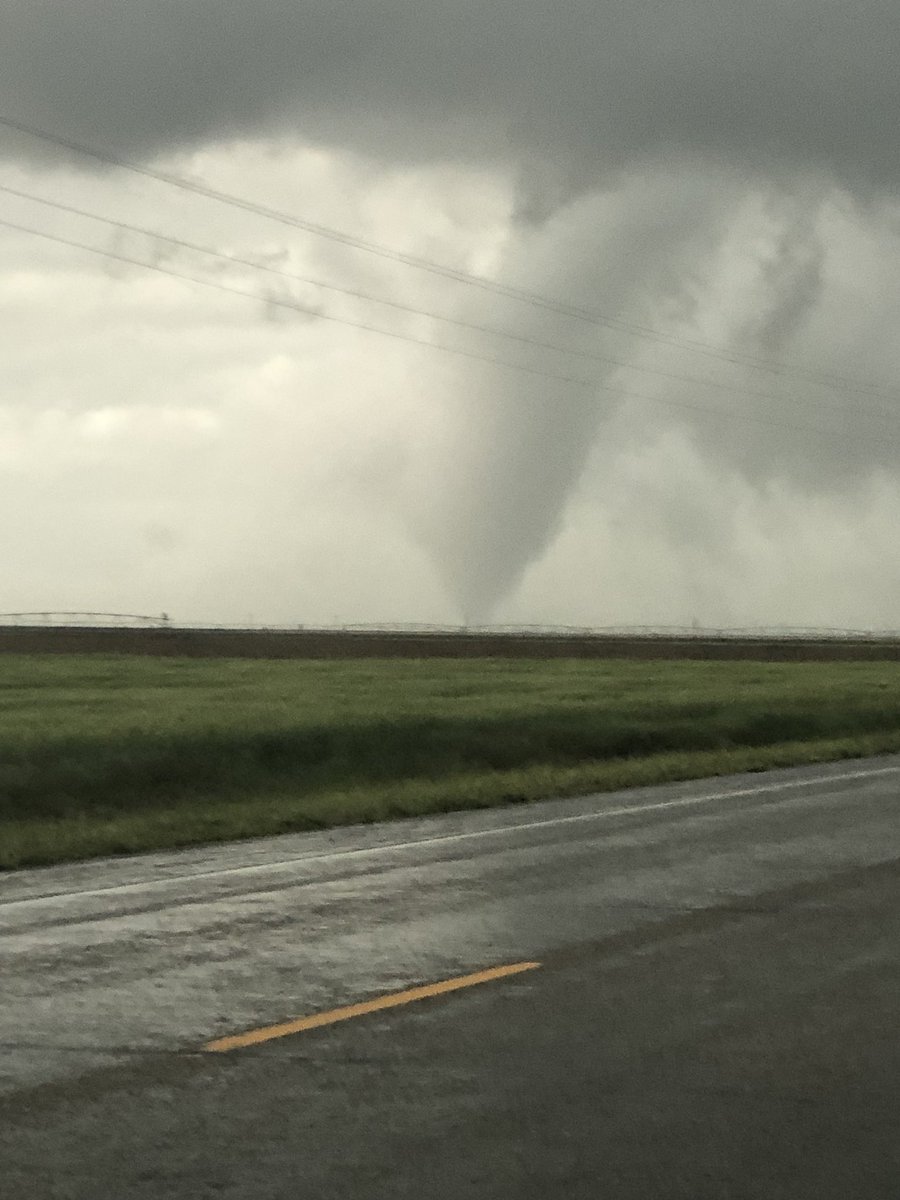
(715, 1014)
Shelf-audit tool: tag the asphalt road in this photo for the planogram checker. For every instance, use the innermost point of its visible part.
(715, 1013)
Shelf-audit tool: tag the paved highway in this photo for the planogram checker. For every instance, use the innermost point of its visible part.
(688, 991)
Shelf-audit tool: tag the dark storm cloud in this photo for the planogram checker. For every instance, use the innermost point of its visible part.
(679, 108)
(589, 85)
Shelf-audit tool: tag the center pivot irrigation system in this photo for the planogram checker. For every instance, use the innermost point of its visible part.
(115, 620)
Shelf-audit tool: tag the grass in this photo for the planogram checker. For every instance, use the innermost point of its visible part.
(121, 754)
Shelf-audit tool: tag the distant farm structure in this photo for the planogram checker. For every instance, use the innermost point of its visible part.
(79, 620)
(131, 633)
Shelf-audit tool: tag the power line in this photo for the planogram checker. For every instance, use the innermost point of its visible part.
(471, 326)
(582, 383)
(561, 308)
(292, 305)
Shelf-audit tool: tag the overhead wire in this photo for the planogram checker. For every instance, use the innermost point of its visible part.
(471, 326)
(587, 385)
(562, 308)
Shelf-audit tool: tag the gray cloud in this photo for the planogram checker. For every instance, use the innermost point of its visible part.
(765, 84)
(634, 131)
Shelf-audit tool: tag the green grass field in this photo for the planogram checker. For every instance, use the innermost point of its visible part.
(122, 754)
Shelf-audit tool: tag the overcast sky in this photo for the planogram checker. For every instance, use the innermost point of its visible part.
(716, 182)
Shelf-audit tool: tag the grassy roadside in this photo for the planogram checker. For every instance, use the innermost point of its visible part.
(118, 755)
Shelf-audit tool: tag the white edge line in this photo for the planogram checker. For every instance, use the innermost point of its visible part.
(472, 835)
